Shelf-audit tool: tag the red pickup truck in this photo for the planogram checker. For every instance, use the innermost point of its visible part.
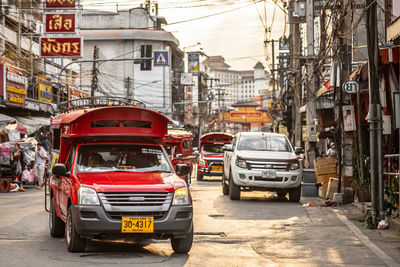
(112, 179)
(179, 146)
(211, 154)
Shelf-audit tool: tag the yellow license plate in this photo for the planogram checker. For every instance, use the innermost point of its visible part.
(216, 168)
(137, 225)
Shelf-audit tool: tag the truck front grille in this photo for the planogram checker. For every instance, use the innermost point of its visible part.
(136, 199)
(284, 166)
(214, 162)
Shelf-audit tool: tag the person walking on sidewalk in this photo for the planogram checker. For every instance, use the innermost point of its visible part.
(18, 164)
(40, 161)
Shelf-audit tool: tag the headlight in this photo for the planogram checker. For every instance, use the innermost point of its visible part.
(202, 162)
(181, 196)
(241, 163)
(295, 166)
(87, 196)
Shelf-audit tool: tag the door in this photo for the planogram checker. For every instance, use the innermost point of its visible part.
(66, 185)
(228, 157)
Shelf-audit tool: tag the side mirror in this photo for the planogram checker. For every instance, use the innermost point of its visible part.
(228, 147)
(182, 169)
(298, 150)
(59, 169)
(179, 156)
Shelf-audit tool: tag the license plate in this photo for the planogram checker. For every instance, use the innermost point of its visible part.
(216, 168)
(137, 225)
(268, 174)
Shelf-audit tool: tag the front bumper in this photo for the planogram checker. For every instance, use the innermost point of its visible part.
(92, 221)
(253, 178)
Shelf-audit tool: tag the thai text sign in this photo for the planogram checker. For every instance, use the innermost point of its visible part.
(61, 47)
(16, 83)
(194, 63)
(44, 89)
(60, 23)
(60, 3)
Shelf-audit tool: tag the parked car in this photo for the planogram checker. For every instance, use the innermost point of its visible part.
(211, 154)
(113, 179)
(179, 147)
(261, 161)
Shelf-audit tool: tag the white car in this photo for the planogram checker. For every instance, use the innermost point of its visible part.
(261, 161)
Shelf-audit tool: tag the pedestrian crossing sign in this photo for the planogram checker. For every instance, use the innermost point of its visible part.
(161, 58)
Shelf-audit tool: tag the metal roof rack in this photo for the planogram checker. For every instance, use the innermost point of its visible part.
(96, 102)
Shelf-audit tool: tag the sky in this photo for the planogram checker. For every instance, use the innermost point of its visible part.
(237, 35)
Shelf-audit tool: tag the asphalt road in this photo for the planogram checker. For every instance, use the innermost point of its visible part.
(259, 230)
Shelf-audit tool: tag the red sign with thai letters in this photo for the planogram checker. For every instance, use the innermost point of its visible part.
(60, 23)
(60, 3)
(61, 47)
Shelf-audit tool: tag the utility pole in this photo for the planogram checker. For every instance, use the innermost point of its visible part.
(295, 48)
(95, 72)
(311, 108)
(374, 106)
(128, 87)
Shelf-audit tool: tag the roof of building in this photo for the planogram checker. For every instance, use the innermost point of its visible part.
(245, 103)
(216, 62)
(259, 65)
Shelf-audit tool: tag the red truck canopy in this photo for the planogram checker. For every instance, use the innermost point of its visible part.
(214, 138)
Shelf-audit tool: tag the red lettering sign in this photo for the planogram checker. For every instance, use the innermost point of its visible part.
(60, 23)
(61, 47)
(60, 3)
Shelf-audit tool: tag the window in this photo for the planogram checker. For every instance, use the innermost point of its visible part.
(56, 139)
(187, 145)
(70, 159)
(264, 143)
(146, 51)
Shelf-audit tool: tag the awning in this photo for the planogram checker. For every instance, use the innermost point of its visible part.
(393, 30)
(33, 123)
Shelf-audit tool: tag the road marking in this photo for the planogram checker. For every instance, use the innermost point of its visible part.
(363, 238)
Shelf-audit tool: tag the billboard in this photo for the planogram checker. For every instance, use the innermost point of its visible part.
(194, 63)
(60, 23)
(61, 47)
(16, 85)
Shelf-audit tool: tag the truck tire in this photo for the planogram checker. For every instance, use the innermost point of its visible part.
(295, 194)
(225, 187)
(56, 225)
(200, 177)
(74, 242)
(183, 245)
(234, 190)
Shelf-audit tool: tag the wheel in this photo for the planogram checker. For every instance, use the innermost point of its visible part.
(4, 185)
(74, 242)
(183, 245)
(234, 190)
(56, 225)
(295, 194)
(225, 187)
(200, 177)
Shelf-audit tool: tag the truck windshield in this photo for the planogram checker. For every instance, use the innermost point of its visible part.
(264, 143)
(121, 158)
(213, 149)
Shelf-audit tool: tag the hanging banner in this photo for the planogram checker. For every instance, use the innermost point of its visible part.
(61, 47)
(60, 4)
(45, 90)
(60, 23)
(194, 63)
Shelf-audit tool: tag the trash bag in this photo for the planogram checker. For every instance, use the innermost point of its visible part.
(26, 176)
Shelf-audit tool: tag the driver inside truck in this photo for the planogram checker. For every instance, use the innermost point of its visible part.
(94, 159)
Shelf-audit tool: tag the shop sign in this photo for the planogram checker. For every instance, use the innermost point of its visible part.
(16, 84)
(60, 23)
(60, 3)
(75, 94)
(44, 89)
(61, 47)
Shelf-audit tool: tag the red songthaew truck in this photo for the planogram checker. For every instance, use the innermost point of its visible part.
(179, 146)
(211, 154)
(112, 179)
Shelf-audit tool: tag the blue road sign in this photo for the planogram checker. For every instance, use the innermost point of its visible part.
(161, 58)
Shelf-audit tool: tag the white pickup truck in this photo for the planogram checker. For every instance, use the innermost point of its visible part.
(259, 161)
